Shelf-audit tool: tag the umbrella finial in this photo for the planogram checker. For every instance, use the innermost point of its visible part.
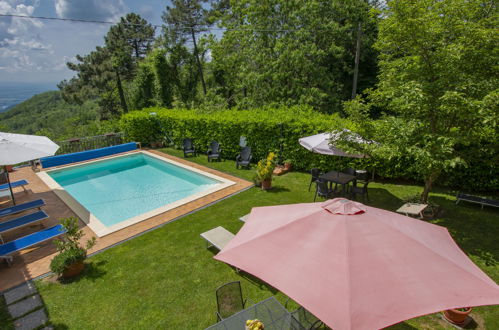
(343, 206)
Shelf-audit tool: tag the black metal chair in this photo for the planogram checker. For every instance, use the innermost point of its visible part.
(214, 152)
(322, 190)
(307, 319)
(188, 147)
(244, 158)
(362, 190)
(350, 171)
(229, 300)
(316, 173)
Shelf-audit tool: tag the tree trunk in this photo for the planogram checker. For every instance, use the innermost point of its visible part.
(121, 93)
(357, 59)
(199, 62)
(428, 185)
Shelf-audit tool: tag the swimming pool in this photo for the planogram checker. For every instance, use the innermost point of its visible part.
(114, 193)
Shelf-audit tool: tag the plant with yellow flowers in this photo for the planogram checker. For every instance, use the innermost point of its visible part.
(265, 167)
(254, 325)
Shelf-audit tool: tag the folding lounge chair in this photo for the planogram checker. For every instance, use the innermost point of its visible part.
(27, 241)
(217, 237)
(15, 184)
(38, 203)
(22, 221)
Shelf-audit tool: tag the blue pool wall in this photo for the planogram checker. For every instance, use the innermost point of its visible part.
(86, 155)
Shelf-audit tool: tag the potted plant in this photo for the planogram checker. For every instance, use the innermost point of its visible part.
(264, 171)
(458, 315)
(69, 262)
(287, 165)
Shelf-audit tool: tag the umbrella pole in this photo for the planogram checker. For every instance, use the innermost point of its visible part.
(10, 187)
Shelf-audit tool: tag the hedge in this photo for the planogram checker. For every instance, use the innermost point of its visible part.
(265, 129)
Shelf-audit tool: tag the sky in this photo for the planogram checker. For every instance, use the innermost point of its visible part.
(35, 50)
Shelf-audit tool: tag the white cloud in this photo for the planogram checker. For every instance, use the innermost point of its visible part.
(99, 10)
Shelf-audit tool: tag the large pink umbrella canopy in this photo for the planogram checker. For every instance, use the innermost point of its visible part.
(355, 266)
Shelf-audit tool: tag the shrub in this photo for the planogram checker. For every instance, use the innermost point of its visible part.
(270, 129)
(265, 167)
(69, 248)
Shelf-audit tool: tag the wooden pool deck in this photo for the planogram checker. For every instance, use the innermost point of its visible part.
(34, 262)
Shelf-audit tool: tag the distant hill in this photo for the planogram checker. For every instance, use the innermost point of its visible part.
(48, 114)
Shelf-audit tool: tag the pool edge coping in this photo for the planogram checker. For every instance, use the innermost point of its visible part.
(96, 225)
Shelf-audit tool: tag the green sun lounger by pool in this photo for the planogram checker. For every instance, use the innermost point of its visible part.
(27, 241)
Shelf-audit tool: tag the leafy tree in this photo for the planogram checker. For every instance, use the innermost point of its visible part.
(104, 72)
(292, 51)
(164, 77)
(438, 84)
(185, 20)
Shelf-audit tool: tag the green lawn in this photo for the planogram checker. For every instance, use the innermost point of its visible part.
(166, 279)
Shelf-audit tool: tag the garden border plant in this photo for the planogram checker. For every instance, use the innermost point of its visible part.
(263, 128)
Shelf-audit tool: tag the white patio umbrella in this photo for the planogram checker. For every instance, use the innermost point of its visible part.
(18, 148)
(322, 144)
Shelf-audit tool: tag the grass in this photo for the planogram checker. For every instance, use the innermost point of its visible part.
(167, 278)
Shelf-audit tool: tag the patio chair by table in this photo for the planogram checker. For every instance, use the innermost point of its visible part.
(37, 203)
(188, 147)
(217, 237)
(22, 221)
(214, 152)
(15, 184)
(322, 190)
(307, 319)
(354, 190)
(229, 300)
(315, 173)
(244, 158)
(30, 240)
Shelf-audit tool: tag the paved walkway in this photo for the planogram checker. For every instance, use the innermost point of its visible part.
(26, 307)
(34, 262)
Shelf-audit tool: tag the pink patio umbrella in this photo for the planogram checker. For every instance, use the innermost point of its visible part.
(355, 266)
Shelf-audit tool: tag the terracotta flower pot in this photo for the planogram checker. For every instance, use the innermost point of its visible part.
(73, 270)
(267, 184)
(287, 166)
(456, 316)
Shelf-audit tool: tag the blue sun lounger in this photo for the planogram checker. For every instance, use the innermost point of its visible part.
(15, 184)
(22, 221)
(27, 241)
(37, 203)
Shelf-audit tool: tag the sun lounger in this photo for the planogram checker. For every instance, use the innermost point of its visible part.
(27, 241)
(22, 221)
(37, 203)
(15, 184)
(217, 237)
(475, 199)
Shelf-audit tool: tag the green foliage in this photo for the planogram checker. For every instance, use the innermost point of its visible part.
(65, 259)
(286, 52)
(261, 127)
(48, 114)
(438, 79)
(265, 167)
(185, 19)
(69, 247)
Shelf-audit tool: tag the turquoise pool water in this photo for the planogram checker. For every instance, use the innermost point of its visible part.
(118, 189)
